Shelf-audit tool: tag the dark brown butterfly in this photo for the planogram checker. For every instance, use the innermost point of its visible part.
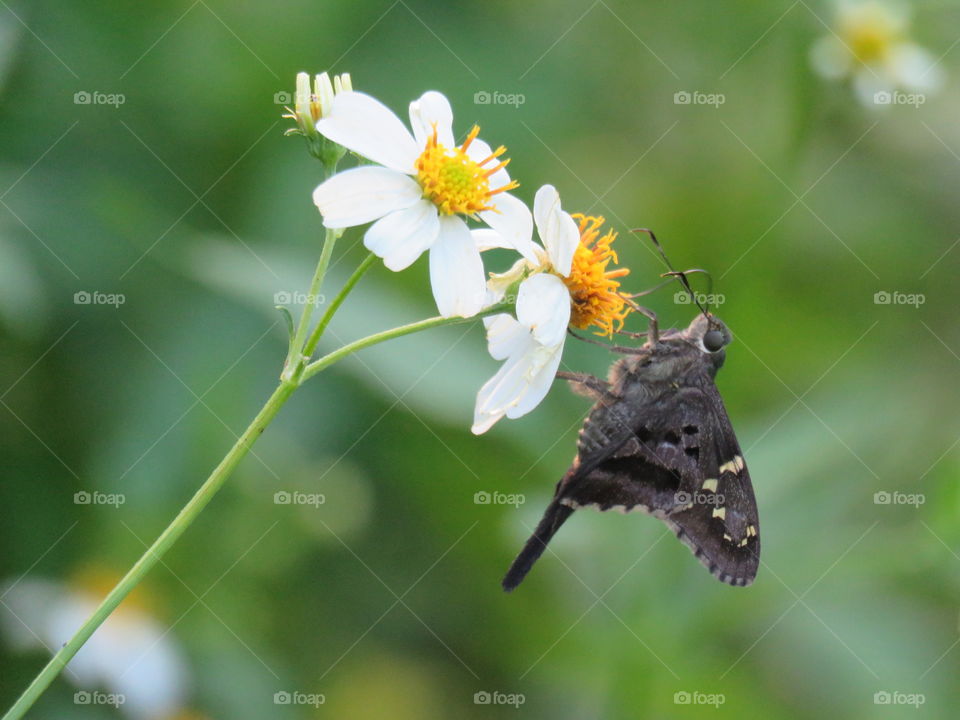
(658, 440)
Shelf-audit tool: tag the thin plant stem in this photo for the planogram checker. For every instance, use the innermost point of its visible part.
(297, 348)
(350, 348)
(335, 305)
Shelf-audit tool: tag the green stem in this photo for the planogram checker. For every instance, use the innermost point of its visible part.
(335, 305)
(155, 552)
(315, 284)
(329, 359)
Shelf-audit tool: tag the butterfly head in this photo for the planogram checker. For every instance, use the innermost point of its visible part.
(709, 334)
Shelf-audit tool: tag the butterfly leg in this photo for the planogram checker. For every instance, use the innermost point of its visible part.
(612, 348)
(653, 328)
(585, 384)
(634, 335)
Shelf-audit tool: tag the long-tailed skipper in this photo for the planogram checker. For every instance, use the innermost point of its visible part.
(658, 440)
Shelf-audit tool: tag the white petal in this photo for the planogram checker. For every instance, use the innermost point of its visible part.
(557, 229)
(357, 196)
(540, 375)
(505, 336)
(478, 151)
(369, 128)
(871, 88)
(488, 239)
(543, 305)
(511, 218)
(502, 391)
(402, 236)
(830, 58)
(431, 109)
(519, 386)
(915, 68)
(456, 270)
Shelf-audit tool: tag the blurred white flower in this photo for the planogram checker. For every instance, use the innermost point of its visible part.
(567, 283)
(420, 192)
(131, 655)
(870, 45)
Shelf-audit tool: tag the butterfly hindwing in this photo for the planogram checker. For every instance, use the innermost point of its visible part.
(721, 525)
(659, 441)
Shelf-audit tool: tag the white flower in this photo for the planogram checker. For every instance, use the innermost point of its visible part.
(567, 284)
(420, 191)
(871, 46)
(131, 655)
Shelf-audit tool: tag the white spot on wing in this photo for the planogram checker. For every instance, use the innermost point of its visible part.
(734, 466)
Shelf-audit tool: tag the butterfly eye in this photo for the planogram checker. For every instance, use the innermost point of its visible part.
(713, 340)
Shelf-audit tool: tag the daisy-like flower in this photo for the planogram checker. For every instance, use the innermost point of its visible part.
(871, 46)
(569, 284)
(420, 193)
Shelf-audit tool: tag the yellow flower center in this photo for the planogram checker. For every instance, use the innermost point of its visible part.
(594, 290)
(455, 183)
(870, 34)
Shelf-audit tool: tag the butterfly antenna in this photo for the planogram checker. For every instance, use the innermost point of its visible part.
(680, 275)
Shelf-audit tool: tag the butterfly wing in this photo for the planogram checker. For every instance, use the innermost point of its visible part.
(673, 456)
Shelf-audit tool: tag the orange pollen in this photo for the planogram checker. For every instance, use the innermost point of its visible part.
(594, 291)
(454, 182)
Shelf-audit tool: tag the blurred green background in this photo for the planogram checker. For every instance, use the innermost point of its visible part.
(189, 201)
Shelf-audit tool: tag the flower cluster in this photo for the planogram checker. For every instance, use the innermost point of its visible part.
(420, 190)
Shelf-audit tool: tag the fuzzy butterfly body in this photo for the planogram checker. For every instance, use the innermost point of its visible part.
(658, 441)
